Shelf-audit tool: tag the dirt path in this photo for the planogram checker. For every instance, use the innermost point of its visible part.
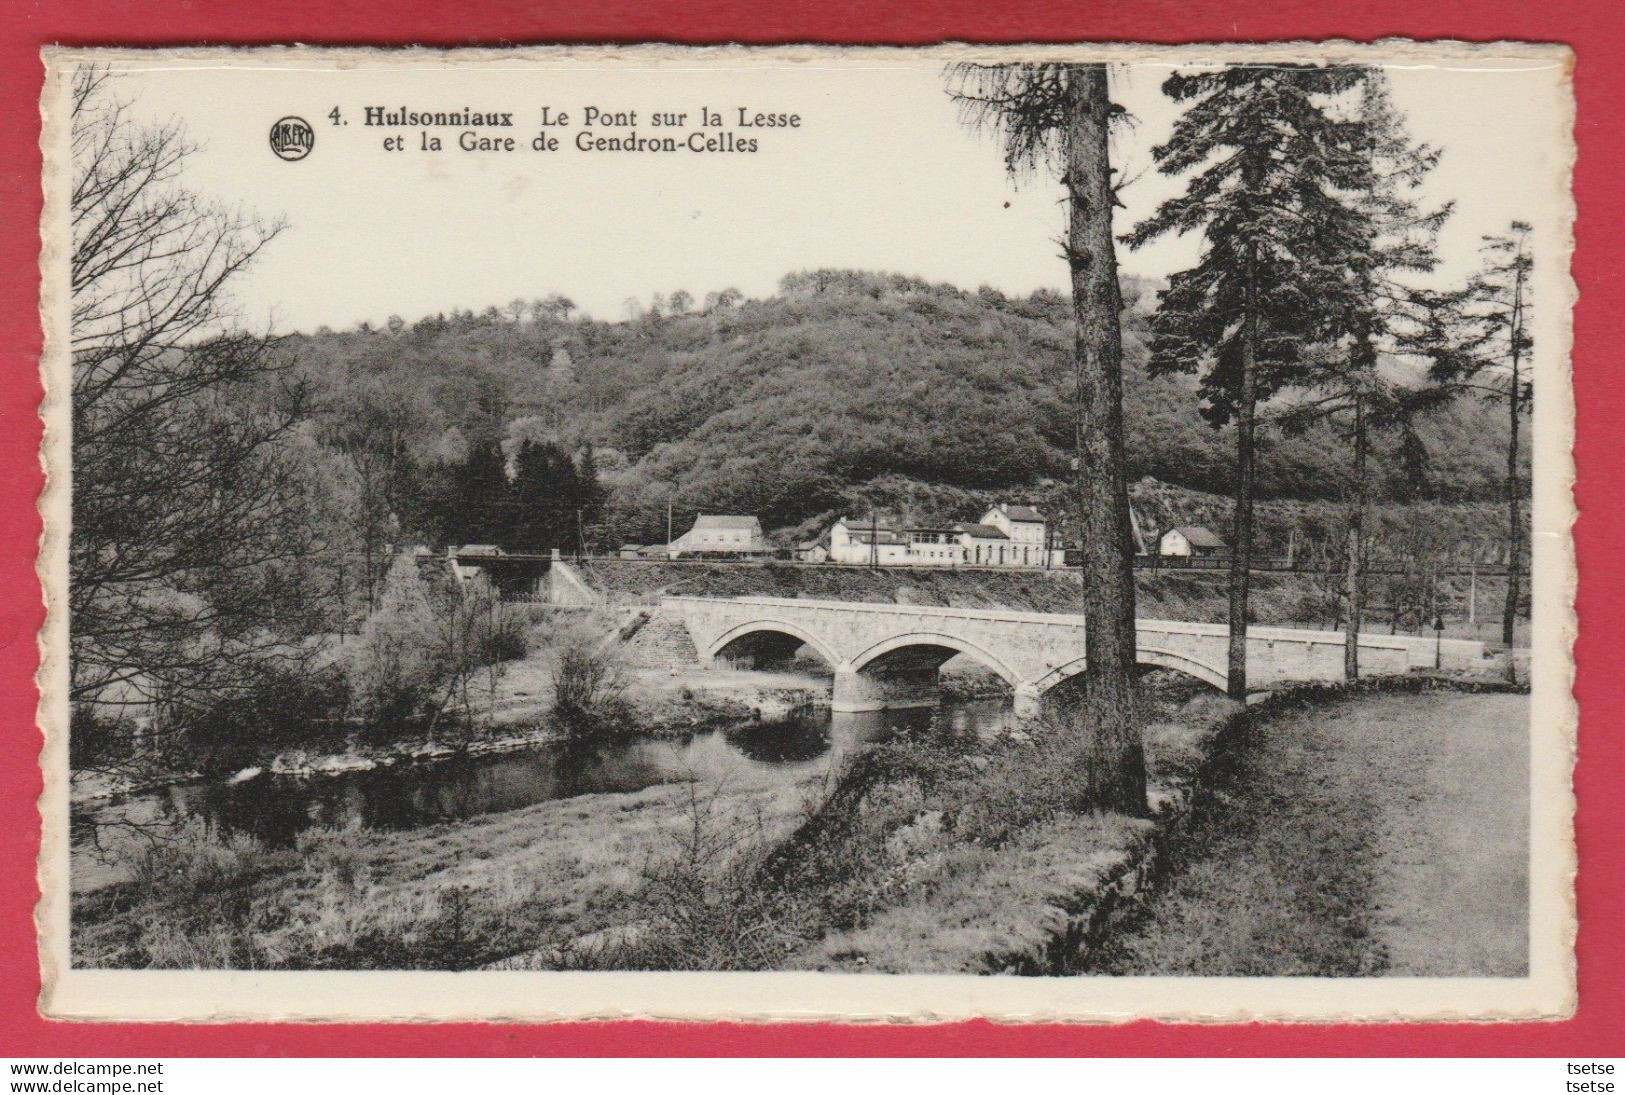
(1385, 835)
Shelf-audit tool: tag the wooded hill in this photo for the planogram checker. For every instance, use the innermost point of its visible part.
(844, 390)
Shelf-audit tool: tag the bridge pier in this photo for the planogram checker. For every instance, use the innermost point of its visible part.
(891, 690)
(1029, 702)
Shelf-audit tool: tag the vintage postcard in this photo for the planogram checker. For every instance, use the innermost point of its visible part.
(1044, 533)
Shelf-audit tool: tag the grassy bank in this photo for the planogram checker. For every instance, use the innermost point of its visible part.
(451, 896)
(1338, 833)
(1382, 832)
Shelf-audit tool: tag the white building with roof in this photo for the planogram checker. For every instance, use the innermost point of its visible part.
(982, 544)
(1008, 536)
(1192, 540)
(722, 534)
(1027, 534)
(875, 542)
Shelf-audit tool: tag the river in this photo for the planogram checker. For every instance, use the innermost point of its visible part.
(276, 808)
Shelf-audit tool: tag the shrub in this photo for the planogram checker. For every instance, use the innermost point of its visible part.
(96, 738)
(589, 675)
(706, 906)
(279, 705)
(196, 862)
(505, 636)
(392, 669)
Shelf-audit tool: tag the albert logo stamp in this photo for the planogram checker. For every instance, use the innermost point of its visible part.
(292, 138)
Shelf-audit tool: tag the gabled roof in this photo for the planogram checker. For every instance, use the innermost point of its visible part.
(725, 520)
(1021, 513)
(981, 532)
(1199, 536)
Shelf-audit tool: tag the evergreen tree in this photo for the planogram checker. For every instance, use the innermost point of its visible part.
(546, 493)
(475, 506)
(1272, 166)
(1381, 316)
(1062, 114)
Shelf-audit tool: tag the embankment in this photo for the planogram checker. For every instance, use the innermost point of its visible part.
(1322, 832)
(1196, 596)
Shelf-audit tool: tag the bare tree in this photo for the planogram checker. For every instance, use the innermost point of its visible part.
(1496, 367)
(1062, 114)
(186, 555)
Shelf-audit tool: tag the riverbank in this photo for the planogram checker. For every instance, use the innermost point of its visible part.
(515, 713)
(448, 896)
(935, 851)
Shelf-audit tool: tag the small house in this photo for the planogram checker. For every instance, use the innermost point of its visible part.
(813, 551)
(1028, 535)
(1194, 541)
(725, 534)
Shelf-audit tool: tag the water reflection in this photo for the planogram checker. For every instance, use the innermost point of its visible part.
(277, 808)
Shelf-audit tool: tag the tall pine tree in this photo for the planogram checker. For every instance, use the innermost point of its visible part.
(1382, 314)
(1061, 115)
(1271, 166)
(590, 494)
(545, 497)
(480, 502)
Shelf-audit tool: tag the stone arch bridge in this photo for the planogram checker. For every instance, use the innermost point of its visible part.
(888, 655)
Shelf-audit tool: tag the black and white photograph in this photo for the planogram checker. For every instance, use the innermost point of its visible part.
(1039, 533)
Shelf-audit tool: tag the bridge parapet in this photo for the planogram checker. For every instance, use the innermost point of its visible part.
(887, 655)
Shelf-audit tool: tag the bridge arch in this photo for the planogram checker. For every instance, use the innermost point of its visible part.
(930, 639)
(1145, 655)
(772, 626)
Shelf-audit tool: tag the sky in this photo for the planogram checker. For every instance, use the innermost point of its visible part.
(879, 175)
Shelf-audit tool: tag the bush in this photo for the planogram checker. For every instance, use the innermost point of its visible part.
(505, 638)
(196, 862)
(96, 738)
(393, 669)
(281, 705)
(705, 907)
(589, 676)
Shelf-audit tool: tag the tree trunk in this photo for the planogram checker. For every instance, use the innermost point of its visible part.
(1354, 567)
(1241, 555)
(1114, 753)
(1509, 612)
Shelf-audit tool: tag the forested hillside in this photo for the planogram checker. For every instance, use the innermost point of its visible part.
(843, 391)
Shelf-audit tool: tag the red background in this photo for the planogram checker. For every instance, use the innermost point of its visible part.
(1594, 28)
